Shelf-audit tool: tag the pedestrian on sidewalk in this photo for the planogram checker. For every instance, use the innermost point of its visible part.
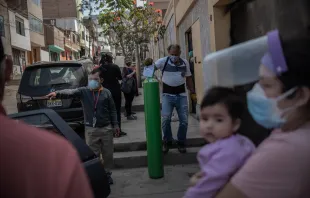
(130, 92)
(111, 74)
(34, 162)
(220, 120)
(175, 76)
(100, 117)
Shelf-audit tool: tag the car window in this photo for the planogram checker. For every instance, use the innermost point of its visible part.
(40, 121)
(55, 75)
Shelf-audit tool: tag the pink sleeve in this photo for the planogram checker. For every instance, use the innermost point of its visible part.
(219, 168)
(78, 185)
(278, 169)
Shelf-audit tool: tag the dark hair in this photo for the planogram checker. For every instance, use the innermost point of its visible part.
(106, 58)
(227, 97)
(296, 49)
(174, 46)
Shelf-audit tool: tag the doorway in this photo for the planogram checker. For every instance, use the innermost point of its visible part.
(189, 50)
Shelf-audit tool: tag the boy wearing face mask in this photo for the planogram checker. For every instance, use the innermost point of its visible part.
(99, 114)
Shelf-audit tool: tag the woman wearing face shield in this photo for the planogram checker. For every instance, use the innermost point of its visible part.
(280, 167)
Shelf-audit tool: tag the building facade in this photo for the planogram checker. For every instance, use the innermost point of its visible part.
(54, 42)
(5, 27)
(68, 18)
(20, 42)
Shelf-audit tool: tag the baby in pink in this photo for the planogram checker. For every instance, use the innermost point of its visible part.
(220, 119)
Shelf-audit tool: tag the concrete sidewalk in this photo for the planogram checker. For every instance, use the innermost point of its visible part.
(135, 183)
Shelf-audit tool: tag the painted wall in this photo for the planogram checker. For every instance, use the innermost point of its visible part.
(170, 36)
(7, 38)
(19, 41)
(197, 11)
(44, 55)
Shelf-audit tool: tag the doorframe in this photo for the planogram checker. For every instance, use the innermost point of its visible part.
(219, 31)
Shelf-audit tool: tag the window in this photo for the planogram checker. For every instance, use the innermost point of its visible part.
(83, 35)
(37, 2)
(20, 27)
(2, 31)
(35, 24)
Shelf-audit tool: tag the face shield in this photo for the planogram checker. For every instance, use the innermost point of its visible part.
(240, 64)
(236, 65)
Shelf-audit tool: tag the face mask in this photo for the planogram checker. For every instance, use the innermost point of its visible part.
(265, 110)
(174, 58)
(93, 84)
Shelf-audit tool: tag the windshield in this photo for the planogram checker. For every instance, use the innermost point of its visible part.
(47, 76)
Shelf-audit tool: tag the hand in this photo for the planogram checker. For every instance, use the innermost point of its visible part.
(128, 76)
(51, 95)
(194, 97)
(117, 132)
(195, 178)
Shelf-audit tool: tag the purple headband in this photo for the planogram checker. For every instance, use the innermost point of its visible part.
(274, 60)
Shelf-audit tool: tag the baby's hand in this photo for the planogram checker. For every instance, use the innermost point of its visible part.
(195, 178)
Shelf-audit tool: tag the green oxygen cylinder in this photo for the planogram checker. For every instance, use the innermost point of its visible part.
(153, 128)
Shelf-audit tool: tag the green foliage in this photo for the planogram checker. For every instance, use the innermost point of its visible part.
(125, 24)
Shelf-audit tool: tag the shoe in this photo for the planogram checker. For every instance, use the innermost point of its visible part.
(110, 180)
(181, 147)
(131, 117)
(122, 133)
(166, 146)
(133, 113)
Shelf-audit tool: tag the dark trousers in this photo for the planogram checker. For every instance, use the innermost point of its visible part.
(128, 102)
(117, 97)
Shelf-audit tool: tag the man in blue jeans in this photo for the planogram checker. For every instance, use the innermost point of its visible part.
(176, 76)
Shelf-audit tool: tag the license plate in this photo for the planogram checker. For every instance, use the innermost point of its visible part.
(54, 103)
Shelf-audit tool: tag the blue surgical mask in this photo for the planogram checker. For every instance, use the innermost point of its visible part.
(93, 84)
(265, 111)
(174, 58)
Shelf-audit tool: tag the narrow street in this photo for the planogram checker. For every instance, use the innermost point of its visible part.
(131, 174)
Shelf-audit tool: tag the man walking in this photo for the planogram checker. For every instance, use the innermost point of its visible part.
(111, 74)
(99, 114)
(175, 75)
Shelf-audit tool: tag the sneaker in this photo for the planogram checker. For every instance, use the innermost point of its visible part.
(181, 147)
(133, 113)
(131, 117)
(110, 180)
(122, 133)
(166, 146)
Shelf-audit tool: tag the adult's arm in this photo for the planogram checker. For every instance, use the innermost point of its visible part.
(160, 63)
(278, 169)
(70, 93)
(112, 110)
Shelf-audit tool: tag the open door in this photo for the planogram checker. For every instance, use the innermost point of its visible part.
(197, 61)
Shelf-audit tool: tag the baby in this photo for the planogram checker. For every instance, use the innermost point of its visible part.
(220, 119)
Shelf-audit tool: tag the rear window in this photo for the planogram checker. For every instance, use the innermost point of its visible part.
(46, 76)
(40, 80)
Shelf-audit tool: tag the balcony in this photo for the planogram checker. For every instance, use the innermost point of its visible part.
(71, 42)
(54, 38)
(159, 4)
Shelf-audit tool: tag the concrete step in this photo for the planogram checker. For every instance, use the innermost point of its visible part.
(141, 145)
(136, 159)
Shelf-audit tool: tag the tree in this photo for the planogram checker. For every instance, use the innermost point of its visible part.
(126, 25)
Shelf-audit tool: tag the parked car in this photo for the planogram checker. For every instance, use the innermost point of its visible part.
(42, 78)
(50, 120)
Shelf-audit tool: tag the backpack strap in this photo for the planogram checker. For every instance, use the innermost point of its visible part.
(162, 72)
